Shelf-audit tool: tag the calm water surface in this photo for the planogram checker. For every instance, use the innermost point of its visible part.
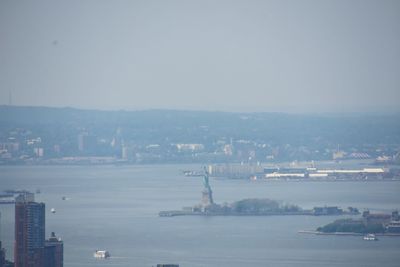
(116, 207)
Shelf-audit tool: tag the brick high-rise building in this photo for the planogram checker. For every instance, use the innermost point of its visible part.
(30, 248)
(29, 233)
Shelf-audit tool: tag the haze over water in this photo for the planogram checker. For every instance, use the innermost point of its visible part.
(116, 207)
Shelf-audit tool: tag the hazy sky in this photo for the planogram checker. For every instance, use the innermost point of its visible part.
(290, 56)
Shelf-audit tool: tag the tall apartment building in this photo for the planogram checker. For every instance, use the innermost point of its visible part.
(29, 234)
(30, 248)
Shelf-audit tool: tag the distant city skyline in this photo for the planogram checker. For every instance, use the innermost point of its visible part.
(237, 56)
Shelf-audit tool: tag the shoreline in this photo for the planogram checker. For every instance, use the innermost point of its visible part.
(311, 232)
(174, 213)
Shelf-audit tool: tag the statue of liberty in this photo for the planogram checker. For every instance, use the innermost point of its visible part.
(207, 198)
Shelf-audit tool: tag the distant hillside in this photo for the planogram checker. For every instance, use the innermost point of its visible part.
(196, 126)
(33, 134)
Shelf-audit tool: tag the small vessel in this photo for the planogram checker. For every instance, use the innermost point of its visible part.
(370, 237)
(53, 210)
(190, 173)
(101, 254)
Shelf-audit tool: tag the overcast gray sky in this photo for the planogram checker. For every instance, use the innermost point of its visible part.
(287, 56)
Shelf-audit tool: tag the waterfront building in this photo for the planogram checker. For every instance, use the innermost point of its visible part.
(125, 153)
(29, 233)
(30, 247)
(327, 210)
(235, 170)
(376, 218)
(2, 256)
(190, 147)
(3, 261)
(393, 227)
(87, 143)
(53, 252)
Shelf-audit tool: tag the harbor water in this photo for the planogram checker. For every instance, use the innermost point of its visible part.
(115, 208)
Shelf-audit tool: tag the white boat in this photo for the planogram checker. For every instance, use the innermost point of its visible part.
(101, 254)
(53, 210)
(370, 237)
